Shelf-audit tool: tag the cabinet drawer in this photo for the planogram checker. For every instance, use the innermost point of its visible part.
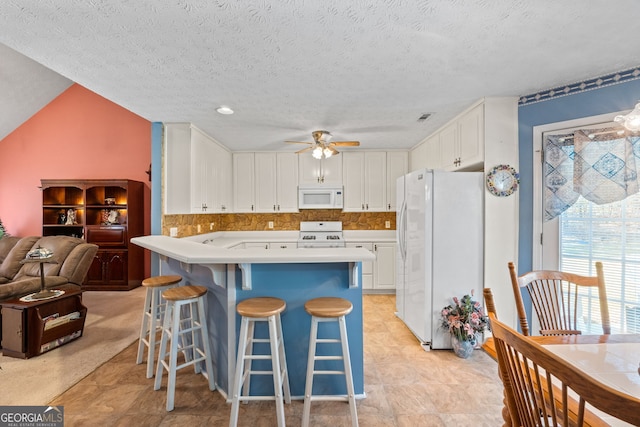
(107, 235)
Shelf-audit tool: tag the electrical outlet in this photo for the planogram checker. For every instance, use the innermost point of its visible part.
(387, 224)
(199, 227)
(270, 224)
(211, 224)
(173, 232)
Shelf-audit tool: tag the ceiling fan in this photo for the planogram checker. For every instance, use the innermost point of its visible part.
(322, 145)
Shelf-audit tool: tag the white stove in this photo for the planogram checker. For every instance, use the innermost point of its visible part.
(321, 234)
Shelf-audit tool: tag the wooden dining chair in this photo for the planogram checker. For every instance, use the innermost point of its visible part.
(509, 403)
(546, 390)
(555, 297)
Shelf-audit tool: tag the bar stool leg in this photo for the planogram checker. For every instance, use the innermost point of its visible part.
(204, 333)
(277, 371)
(162, 351)
(240, 367)
(144, 328)
(284, 372)
(347, 370)
(306, 410)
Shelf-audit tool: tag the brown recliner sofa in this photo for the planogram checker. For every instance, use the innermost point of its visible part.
(72, 257)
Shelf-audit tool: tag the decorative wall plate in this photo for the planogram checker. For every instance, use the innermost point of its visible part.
(502, 180)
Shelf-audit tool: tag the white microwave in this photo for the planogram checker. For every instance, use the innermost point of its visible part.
(320, 198)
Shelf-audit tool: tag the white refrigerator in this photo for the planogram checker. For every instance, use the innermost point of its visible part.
(439, 226)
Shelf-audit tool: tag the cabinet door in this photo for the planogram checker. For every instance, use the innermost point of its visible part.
(257, 245)
(177, 159)
(367, 266)
(287, 182)
(243, 182)
(115, 268)
(375, 181)
(433, 153)
(222, 181)
(353, 180)
(265, 182)
(397, 166)
(309, 169)
(202, 178)
(449, 151)
(331, 175)
(385, 266)
(471, 137)
(282, 245)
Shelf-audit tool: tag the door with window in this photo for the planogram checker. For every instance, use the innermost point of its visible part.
(588, 210)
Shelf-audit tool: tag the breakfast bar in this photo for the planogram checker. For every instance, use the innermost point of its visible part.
(294, 275)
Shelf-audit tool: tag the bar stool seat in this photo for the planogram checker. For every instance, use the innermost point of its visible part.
(153, 316)
(261, 309)
(328, 309)
(185, 325)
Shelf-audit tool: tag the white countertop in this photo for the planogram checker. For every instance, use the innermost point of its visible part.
(191, 250)
(228, 239)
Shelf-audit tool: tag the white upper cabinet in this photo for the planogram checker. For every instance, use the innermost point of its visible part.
(177, 160)
(462, 141)
(286, 182)
(397, 166)
(365, 181)
(222, 165)
(276, 177)
(243, 182)
(323, 172)
(207, 186)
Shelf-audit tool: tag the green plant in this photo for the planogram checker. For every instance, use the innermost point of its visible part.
(464, 318)
(2, 230)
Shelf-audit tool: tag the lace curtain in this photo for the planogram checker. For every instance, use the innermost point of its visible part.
(597, 164)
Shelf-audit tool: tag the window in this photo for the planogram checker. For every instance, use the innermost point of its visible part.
(609, 233)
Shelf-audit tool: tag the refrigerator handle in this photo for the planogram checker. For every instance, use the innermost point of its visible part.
(402, 232)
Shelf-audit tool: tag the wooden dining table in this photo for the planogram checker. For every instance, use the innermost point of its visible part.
(611, 359)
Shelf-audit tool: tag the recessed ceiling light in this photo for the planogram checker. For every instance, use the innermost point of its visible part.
(224, 110)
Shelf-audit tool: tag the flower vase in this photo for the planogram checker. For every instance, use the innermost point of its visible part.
(462, 349)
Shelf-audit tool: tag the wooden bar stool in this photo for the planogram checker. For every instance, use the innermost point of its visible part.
(328, 309)
(153, 316)
(185, 322)
(262, 309)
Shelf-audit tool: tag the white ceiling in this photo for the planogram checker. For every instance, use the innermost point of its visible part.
(363, 69)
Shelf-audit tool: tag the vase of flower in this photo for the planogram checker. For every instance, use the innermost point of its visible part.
(465, 321)
(462, 348)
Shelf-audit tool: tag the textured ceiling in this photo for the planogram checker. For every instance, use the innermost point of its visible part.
(364, 70)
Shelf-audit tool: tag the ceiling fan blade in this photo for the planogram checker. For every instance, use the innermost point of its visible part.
(304, 150)
(298, 142)
(345, 143)
(333, 150)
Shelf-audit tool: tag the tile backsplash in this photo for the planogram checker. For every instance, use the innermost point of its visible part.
(192, 224)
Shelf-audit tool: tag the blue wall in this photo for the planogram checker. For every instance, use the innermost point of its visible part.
(618, 97)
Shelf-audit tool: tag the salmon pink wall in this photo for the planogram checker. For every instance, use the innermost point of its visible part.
(78, 135)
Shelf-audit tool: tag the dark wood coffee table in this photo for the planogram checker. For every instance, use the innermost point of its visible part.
(32, 327)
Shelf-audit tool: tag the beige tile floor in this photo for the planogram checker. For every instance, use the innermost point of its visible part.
(405, 387)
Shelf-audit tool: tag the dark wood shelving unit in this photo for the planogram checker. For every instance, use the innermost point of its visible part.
(108, 213)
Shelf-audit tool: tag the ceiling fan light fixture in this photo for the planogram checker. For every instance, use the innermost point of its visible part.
(327, 152)
(223, 109)
(317, 152)
(630, 121)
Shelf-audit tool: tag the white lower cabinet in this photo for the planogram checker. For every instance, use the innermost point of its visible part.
(378, 275)
(384, 273)
(262, 245)
(282, 245)
(367, 266)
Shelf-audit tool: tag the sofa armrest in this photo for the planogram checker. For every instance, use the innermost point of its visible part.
(77, 263)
